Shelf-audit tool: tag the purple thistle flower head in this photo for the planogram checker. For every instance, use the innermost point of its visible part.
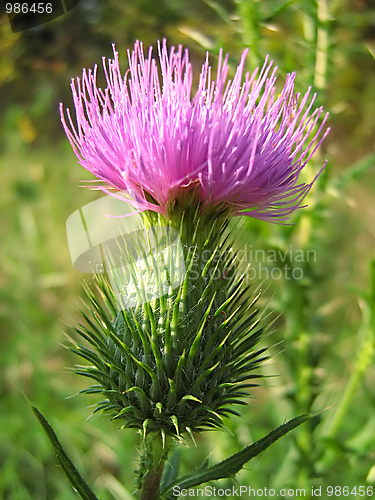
(235, 143)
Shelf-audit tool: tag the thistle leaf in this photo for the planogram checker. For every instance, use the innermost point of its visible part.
(171, 470)
(232, 465)
(71, 472)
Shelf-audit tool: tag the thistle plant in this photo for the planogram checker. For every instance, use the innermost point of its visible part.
(176, 359)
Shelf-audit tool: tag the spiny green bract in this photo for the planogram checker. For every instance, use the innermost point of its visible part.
(176, 364)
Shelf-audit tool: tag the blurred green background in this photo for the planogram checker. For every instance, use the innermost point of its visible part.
(323, 346)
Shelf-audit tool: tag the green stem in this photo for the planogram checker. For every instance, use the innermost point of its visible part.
(321, 61)
(301, 362)
(155, 451)
(249, 16)
(151, 483)
(304, 396)
(364, 359)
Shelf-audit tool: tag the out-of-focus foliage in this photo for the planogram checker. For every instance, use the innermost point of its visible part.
(325, 334)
